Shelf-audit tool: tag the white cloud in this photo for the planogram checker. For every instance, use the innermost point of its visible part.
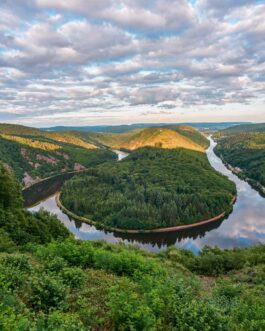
(102, 57)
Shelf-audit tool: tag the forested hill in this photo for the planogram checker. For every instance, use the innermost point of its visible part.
(52, 282)
(170, 137)
(33, 154)
(243, 147)
(259, 127)
(151, 188)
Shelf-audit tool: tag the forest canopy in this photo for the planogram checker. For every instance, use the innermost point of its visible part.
(244, 150)
(149, 189)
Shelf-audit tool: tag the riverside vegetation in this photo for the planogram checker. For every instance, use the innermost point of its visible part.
(50, 281)
(243, 147)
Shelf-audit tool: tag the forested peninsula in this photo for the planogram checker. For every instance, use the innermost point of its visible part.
(151, 188)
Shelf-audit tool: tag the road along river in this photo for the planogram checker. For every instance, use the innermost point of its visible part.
(245, 226)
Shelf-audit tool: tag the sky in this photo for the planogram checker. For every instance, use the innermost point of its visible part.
(90, 62)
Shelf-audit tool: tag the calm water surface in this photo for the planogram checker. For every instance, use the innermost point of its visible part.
(244, 226)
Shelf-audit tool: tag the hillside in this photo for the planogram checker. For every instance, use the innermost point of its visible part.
(260, 127)
(202, 126)
(245, 152)
(149, 189)
(50, 281)
(34, 134)
(33, 154)
(173, 137)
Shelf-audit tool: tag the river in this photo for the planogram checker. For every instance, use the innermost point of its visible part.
(245, 226)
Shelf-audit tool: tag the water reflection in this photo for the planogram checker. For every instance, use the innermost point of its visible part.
(244, 227)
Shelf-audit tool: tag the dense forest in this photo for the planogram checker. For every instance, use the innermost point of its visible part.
(151, 188)
(50, 281)
(32, 154)
(245, 151)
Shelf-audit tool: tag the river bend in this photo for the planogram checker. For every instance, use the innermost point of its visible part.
(245, 226)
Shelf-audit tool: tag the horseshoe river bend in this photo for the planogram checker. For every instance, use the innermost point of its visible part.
(245, 226)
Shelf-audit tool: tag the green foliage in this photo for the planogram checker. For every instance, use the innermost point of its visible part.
(245, 151)
(17, 226)
(259, 127)
(214, 261)
(151, 188)
(46, 291)
(60, 321)
(73, 285)
(199, 315)
(74, 277)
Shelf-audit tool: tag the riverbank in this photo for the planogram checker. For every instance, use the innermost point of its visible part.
(120, 155)
(53, 176)
(133, 231)
(240, 174)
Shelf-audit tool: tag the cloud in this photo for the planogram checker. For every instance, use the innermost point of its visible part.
(101, 57)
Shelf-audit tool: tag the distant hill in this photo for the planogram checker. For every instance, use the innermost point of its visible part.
(18, 129)
(35, 134)
(173, 137)
(259, 127)
(129, 127)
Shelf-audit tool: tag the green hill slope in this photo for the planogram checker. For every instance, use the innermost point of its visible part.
(35, 134)
(243, 147)
(246, 153)
(33, 154)
(50, 281)
(260, 127)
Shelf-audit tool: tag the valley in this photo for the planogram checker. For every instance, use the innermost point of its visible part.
(243, 227)
(52, 280)
(49, 280)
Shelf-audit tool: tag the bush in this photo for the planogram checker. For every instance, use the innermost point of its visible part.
(73, 277)
(59, 321)
(198, 315)
(126, 309)
(45, 292)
